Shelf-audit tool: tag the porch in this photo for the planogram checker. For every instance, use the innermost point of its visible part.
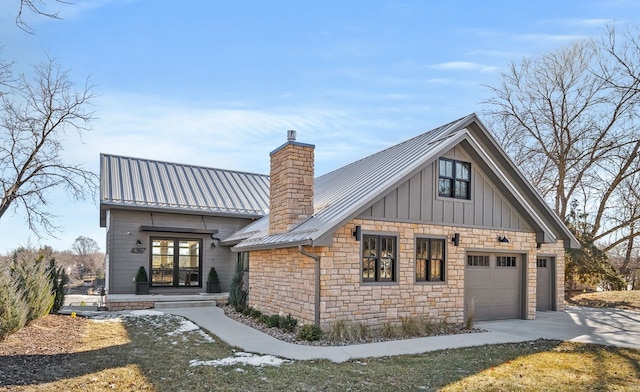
(116, 302)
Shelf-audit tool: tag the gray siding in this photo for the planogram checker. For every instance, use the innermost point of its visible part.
(123, 264)
(416, 200)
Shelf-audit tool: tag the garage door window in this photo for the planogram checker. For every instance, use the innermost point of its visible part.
(478, 260)
(429, 260)
(506, 261)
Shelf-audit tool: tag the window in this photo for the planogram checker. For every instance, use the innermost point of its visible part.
(176, 262)
(541, 263)
(454, 179)
(506, 261)
(478, 260)
(378, 258)
(429, 260)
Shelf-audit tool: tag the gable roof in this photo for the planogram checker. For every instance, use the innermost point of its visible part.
(342, 194)
(163, 186)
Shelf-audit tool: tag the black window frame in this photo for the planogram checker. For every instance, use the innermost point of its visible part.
(429, 261)
(375, 259)
(176, 262)
(454, 180)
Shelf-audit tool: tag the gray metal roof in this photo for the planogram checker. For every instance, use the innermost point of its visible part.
(145, 184)
(341, 195)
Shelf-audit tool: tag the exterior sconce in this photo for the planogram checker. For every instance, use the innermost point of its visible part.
(215, 242)
(357, 233)
(456, 239)
(503, 238)
(138, 243)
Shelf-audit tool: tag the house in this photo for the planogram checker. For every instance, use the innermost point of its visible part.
(442, 225)
(169, 218)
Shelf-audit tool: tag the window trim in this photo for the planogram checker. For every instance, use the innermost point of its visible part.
(376, 260)
(453, 179)
(429, 260)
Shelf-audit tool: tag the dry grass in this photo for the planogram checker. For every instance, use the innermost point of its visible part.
(628, 299)
(145, 354)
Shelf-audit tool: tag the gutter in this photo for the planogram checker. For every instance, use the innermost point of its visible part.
(317, 283)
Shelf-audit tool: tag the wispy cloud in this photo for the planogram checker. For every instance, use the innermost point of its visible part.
(464, 66)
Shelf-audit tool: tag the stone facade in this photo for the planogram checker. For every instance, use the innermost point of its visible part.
(291, 193)
(282, 280)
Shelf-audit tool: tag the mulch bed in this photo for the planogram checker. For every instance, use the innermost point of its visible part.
(38, 349)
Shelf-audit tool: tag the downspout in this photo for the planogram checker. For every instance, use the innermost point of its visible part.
(317, 284)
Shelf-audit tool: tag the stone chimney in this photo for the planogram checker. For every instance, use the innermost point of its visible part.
(291, 194)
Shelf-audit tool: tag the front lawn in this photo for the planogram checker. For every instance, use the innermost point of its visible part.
(627, 299)
(167, 353)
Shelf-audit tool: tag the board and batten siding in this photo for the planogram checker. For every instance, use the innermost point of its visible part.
(123, 264)
(416, 200)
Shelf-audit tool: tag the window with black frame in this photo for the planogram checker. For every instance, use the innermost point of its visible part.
(176, 262)
(378, 258)
(454, 179)
(430, 260)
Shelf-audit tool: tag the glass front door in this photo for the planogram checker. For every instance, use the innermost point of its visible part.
(175, 262)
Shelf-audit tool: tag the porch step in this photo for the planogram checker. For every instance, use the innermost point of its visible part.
(183, 304)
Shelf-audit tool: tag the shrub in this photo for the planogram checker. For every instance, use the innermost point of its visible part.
(32, 276)
(410, 327)
(288, 323)
(141, 276)
(237, 293)
(338, 332)
(13, 310)
(273, 321)
(59, 278)
(263, 318)
(309, 333)
(255, 313)
(389, 331)
(213, 276)
(360, 331)
(247, 311)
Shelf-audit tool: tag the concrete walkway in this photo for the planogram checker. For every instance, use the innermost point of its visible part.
(602, 326)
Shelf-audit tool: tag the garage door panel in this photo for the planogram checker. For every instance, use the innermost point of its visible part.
(496, 292)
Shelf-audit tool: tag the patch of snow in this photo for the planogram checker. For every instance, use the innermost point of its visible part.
(144, 312)
(185, 326)
(243, 359)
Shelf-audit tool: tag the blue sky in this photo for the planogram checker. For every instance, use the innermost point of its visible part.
(218, 83)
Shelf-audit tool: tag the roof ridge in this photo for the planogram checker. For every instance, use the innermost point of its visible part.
(182, 164)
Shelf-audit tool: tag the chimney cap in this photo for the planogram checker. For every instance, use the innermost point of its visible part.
(291, 135)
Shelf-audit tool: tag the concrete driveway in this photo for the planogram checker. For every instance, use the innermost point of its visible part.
(579, 324)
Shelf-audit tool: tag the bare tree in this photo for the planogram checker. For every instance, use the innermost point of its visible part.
(38, 7)
(89, 258)
(570, 120)
(35, 116)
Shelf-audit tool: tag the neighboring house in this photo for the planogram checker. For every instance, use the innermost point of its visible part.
(442, 225)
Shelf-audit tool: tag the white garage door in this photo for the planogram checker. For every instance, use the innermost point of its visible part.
(493, 286)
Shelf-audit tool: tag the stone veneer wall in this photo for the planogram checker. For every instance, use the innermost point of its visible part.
(291, 197)
(282, 280)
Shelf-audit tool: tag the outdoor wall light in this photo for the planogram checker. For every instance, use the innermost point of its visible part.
(215, 242)
(456, 239)
(138, 243)
(503, 238)
(357, 233)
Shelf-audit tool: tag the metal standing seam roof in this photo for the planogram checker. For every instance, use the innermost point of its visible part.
(343, 193)
(141, 183)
